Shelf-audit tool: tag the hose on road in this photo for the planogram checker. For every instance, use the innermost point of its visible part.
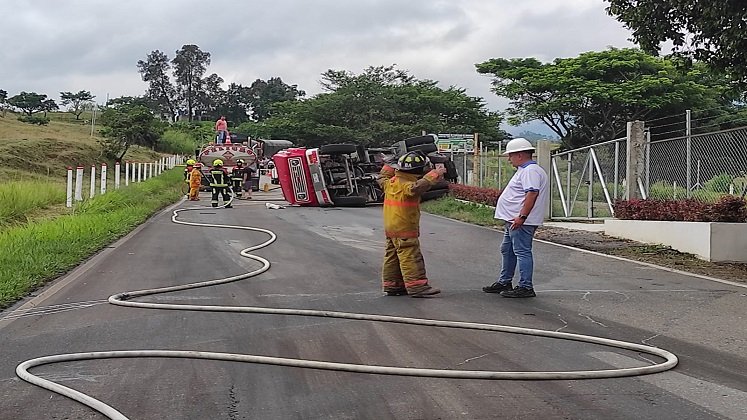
(125, 299)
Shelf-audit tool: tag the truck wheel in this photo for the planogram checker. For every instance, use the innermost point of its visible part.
(414, 141)
(349, 201)
(334, 149)
(425, 148)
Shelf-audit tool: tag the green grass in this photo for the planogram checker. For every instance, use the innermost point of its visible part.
(34, 253)
(466, 212)
(23, 199)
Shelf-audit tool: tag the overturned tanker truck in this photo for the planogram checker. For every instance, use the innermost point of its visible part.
(346, 175)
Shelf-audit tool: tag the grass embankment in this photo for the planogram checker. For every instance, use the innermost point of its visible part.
(467, 212)
(38, 251)
(39, 237)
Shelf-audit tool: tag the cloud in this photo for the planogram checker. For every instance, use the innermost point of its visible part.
(50, 46)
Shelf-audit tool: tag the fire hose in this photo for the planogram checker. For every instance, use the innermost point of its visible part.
(126, 299)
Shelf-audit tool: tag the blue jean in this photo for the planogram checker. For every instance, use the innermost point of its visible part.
(517, 248)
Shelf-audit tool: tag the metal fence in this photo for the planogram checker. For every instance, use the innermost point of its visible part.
(701, 166)
(586, 182)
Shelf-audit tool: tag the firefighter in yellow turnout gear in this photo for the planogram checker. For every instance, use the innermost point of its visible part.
(403, 272)
(219, 184)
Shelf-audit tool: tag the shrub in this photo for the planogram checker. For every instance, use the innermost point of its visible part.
(487, 196)
(727, 209)
(34, 119)
(719, 183)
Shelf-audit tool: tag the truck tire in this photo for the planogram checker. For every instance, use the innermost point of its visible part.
(414, 141)
(349, 201)
(425, 148)
(338, 149)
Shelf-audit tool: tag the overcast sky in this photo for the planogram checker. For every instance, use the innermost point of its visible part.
(48, 46)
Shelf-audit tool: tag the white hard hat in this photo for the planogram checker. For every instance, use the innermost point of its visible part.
(518, 145)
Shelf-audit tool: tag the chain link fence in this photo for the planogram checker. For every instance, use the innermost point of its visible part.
(702, 166)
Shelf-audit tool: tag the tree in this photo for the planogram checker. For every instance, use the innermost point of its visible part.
(76, 101)
(378, 107)
(190, 64)
(128, 124)
(3, 101)
(712, 31)
(590, 98)
(263, 94)
(28, 102)
(155, 71)
(49, 105)
(211, 97)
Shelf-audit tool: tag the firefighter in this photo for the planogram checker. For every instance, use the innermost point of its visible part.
(195, 180)
(219, 184)
(188, 171)
(237, 178)
(403, 271)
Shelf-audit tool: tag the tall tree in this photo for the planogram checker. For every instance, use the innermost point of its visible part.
(266, 93)
(713, 31)
(190, 63)
(211, 97)
(29, 102)
(76, 101)
(379, 107)
(155, 70)
(237, 104)
(127, 124)
(589, 98)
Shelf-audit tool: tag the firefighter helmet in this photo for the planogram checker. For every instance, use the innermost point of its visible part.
(239, 161)
(217, 162)
(412, 162)
(190, 162)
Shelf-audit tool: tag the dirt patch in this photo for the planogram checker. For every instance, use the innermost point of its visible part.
(654, 254)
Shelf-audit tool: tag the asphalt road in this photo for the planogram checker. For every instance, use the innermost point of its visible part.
(329, 259)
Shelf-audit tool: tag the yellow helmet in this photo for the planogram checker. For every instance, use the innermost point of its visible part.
(191, 162)
(217, 162)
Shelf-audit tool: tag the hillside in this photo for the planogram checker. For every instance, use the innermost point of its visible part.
(43, 152)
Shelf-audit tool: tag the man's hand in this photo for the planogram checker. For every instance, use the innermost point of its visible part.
(518, 221)
(440, 170)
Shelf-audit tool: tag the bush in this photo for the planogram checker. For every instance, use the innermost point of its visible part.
(487, 196)
(719, 183)
(728, 208)
(34, 119)
(174, 141)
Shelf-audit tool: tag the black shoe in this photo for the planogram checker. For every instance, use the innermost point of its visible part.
(497, 287)
(402, 292)
(229, 206)
(519, 292)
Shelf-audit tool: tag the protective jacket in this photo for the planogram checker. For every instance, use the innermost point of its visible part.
(402, 191)
(220, 177)
(195, 178)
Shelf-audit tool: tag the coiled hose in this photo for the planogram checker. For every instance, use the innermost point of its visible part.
(125, 299)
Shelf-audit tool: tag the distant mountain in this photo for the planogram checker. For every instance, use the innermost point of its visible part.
(535, 130)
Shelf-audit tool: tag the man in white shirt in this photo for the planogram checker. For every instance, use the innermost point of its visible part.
(521, 206)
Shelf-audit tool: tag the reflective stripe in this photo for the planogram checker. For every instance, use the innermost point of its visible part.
(405, 234)
(390, 202)
(391, 283)
(416, 283)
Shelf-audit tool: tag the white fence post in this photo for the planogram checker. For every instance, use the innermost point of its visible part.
(79, 183)
(117, 168)
(93, 180)
(69, 200)
(132, 174)
(103, 178)
(140, 173)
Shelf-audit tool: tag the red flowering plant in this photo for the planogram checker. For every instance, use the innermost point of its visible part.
(729, 208)
(487, 196)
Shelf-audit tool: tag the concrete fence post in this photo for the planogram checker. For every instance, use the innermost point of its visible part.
(103, 179)
(93, 181)
(69, 200)
(543, 160)
(634, 165)
(117, 169)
